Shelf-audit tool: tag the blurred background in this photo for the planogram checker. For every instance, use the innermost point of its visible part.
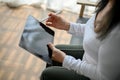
(51, 4)
(16, 63)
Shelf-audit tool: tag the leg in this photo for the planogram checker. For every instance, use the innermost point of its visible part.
(60, 73)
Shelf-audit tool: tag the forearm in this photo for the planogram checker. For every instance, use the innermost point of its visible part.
(81, 67)
(76, 29)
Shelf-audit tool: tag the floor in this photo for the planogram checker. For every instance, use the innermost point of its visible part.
(16, 63)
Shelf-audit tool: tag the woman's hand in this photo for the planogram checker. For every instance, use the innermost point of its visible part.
(57, 22)
(57, 55)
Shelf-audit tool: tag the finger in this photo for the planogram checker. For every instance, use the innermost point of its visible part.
(51, 46)
(48, 23)
(53, 56)
(51, 14)
(50, 19)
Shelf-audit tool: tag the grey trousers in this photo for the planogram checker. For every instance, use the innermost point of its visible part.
(56, 72)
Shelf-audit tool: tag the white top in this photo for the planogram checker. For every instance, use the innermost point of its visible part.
(101, 60)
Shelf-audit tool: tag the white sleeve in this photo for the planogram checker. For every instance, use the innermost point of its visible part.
(81, 67)
(108, 67)
(76, 29)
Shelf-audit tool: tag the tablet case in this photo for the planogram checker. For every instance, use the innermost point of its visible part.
(35, 38)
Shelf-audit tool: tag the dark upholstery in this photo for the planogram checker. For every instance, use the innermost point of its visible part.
(72, 50)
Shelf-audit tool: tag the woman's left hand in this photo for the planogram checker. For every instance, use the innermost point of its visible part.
(57, 55)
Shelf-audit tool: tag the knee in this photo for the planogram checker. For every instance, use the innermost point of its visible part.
(47, 74)
(44, 74)
(50, 73)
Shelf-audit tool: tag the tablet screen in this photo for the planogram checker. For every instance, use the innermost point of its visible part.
(35, 38)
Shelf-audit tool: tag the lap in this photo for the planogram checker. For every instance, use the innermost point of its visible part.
(60, 73)
(55, 72)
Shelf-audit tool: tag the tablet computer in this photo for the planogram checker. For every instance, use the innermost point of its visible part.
(35, 38)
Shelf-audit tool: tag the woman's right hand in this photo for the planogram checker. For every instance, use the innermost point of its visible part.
(57, 55)
(57, 22)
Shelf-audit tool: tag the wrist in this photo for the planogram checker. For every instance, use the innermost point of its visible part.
(63, 58)
(67, 26)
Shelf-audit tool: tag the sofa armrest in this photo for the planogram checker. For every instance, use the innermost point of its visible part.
(73, 50)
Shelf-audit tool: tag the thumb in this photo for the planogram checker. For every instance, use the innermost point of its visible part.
(52, 15)
(51, 46)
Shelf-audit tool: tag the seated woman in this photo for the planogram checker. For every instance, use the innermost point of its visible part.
(101, 60)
